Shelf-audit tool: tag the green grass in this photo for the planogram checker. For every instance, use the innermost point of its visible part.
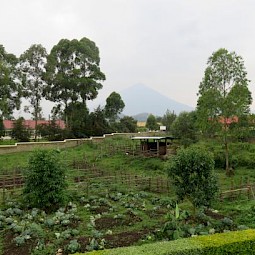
(106, 157)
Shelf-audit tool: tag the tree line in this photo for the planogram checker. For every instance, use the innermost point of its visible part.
(69, 76)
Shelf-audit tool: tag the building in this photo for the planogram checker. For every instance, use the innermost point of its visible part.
(30, 124)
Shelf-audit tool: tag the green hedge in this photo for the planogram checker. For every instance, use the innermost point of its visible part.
(236, 242)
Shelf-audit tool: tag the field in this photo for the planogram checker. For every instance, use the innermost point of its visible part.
(116, 199)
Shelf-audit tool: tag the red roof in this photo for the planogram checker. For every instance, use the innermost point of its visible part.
(8, 124)
(228, 121)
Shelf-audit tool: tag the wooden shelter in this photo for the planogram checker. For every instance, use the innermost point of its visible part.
(154, 145)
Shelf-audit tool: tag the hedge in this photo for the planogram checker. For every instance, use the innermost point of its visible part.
(236, 242)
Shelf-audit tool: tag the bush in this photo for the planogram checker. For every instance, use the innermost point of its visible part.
(238, 242)
(45, 182)
(192, 173)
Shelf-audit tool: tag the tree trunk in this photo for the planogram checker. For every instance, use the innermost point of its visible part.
(229, 171)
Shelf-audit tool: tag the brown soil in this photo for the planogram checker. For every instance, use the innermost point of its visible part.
(214, 215)
(124, 238)
(116, 240)
(10, 248)
(109, 223)
(101, 209)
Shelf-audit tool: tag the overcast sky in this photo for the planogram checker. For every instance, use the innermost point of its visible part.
(163, 44)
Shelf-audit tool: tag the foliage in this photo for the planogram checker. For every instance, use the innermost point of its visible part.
(51, 131)
(97, 123)
(73, 72)
(32, 69)
(114, 106)
(10, 89)
(168, 119)
(184, 128)
(45, 182)
(224, 96)
(19, 131)
(239, 242)
(151, 123)
(1, 127)
(78, 119)
(192, 173)
(127, 124)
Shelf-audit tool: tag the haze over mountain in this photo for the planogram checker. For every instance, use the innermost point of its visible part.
(142, 99)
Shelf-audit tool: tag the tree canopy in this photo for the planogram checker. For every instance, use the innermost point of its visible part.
(73, 71)
(151, 122)
(32, 68)
(114, 106)
(10, 90)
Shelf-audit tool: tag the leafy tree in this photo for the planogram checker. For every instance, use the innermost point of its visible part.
(191, 171)
(184, 128)
(128, 125)
(10, 89)
(114, 106)
(32, 68)
(168, 119)
(151, 123)
(45, 181)
(51, 131)
(19, 131)
(223, 95)
(73, 72)
(97, 122)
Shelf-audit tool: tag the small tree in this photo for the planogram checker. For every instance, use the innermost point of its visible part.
(168, 119)
(20, 132)
(114, 106)
(184, 128)
(192, 173)
(151, 123)
(45, 182)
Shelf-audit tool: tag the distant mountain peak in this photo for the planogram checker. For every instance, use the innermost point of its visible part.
(140, 98)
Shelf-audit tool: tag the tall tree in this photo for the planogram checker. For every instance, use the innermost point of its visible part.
(73, 72)
(223, 95)
(10, 89)
(32, 68)
(114, 106)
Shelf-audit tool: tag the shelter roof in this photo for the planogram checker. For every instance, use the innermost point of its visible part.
(152, 138)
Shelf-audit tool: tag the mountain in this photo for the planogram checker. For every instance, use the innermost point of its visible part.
(142, 99)
(141, 116)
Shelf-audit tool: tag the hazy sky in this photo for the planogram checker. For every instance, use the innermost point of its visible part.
(163, 44)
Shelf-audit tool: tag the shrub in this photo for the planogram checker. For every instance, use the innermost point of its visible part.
(239, 242)
(192, 173)
(45, 182)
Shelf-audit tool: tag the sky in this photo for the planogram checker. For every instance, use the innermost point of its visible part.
(163, 44)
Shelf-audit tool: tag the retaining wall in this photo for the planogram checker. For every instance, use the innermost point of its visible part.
(68, 143)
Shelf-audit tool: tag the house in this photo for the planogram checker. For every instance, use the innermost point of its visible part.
(30, 124)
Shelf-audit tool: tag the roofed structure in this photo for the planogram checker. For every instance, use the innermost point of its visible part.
(154, 145)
